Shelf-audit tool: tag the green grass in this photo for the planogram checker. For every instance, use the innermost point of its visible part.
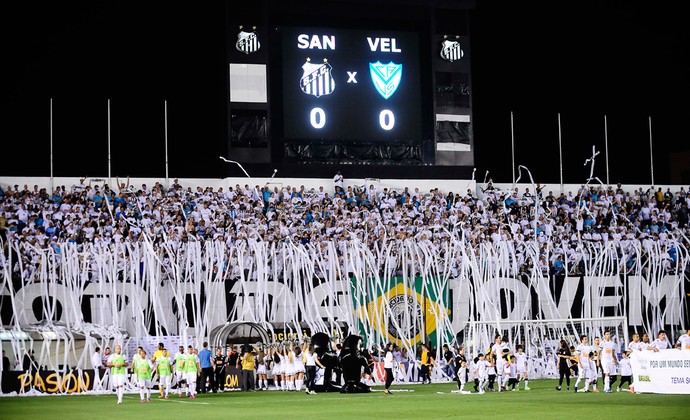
(427, 401)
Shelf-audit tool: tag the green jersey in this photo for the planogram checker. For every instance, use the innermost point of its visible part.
(179, 362)
(143, 369)
(117, 359)
(190, 363)
(163, 366)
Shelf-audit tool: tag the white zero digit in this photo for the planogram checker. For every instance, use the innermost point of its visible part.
(317, 118)
(387, 119)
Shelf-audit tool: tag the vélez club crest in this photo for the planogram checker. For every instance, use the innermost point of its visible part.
(385, 77)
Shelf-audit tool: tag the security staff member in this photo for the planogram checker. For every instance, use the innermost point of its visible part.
(205, 359)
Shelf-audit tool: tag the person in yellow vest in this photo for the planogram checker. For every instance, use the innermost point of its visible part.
(248, 370)
(426, 362)
(659, 196)
(164, 371)
(144, 370)
(178, 363)
(118, 369)
(158, 353)
(192, 369)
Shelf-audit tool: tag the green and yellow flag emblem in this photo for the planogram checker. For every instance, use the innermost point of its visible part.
(400, 312)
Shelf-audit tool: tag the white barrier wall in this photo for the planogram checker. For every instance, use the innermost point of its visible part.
(444, 185)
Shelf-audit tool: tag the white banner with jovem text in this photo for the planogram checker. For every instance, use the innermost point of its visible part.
(663, 372)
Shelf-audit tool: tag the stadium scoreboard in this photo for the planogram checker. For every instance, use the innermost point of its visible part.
(343, 84)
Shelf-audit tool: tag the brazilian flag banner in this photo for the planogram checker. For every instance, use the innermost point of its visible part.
(402, 312)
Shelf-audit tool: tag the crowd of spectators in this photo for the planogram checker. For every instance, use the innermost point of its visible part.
(564, 224)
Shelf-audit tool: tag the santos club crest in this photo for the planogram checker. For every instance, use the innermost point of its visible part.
(247, 42)
(451, 51)
(405, 316)
(386, 77)
(399, 312)
(317, 79)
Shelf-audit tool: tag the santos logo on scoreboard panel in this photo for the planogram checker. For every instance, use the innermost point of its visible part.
(451, 51)
(317, 79)
(386, 77)
(247, 42)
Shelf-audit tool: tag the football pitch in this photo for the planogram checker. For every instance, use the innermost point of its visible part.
(413, 401)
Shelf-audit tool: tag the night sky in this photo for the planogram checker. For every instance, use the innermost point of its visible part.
(582, 59)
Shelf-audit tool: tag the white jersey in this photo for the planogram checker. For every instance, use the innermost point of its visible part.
(512, 371)
(388, 361)
(261, 368)
(309, 359)
(482, 368)
(521, 362)
(474, 372)
(635, 345)
(684, 341)
(135, 359)
(660, 344)
(497, 350)
(278, 368)
(96, 361)
(592, 370)
(288, 366)
(645, 346)
(624, 367)
(596, 348)
(584, 363)
(583, 351)
(608, 349)
(298, 365)
(613, 369)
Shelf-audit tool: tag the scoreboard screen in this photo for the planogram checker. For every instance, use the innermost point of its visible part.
(352, 85)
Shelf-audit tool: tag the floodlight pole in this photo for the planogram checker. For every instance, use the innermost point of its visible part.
(512, 144)
(606, 147)
(109, 156)
(167, 176)
(560, 150)
(651, 158)
(52, 176)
